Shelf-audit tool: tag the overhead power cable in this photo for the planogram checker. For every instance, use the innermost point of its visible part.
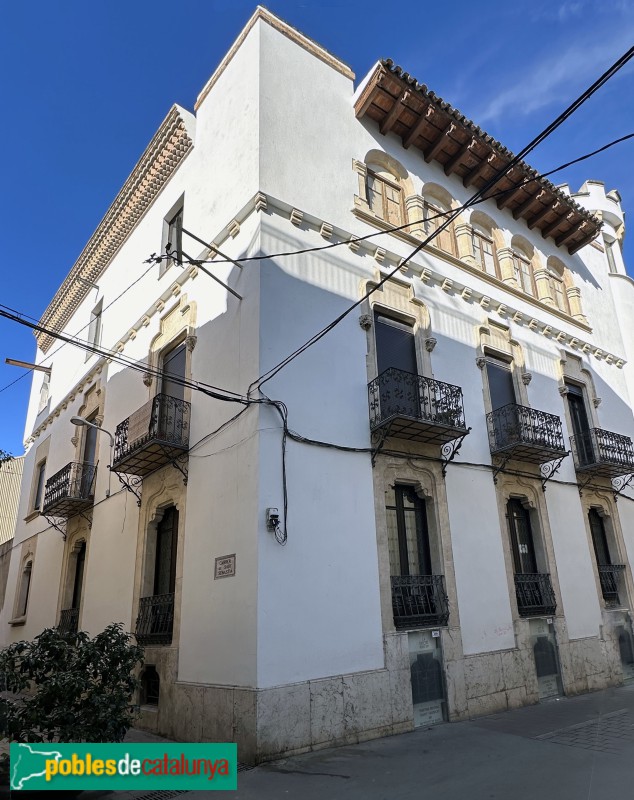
(240, 261)
(87, 325)
(441, 215)
(482, 192)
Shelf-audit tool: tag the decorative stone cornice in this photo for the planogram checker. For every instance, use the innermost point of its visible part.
(171, 143)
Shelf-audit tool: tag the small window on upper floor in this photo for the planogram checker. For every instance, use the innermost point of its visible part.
(523, 271)
(24, 591)
(484, 251)
(558, 292)
(385, 199)
(434, 215)
(94, 329)
(609, 253)
(40, 483)
(172, 244)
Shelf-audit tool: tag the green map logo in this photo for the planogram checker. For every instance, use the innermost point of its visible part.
(128, 767)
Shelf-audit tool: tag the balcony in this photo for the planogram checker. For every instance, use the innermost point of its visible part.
(419, 601)
(412, 407)
(70, 491)
(68, 620)
(603, 453)
(153, 436)
(609, 577)
(525, 434)
(155, 620)
(535, 595)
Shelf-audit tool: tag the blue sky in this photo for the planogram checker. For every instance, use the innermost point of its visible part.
(86, 84)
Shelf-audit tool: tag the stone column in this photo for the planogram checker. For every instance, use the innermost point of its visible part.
(464, 243)
(414, 211)
(574, 300)
(505, 261)
(542, 285)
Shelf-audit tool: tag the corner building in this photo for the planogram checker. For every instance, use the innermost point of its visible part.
(455, 546)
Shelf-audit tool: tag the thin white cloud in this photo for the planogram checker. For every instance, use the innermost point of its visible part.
(555, 79)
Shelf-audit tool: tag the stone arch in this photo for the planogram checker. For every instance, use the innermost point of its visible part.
(479, 219)
(386, 191)
(176, 325)
(387, 166)
(436, 192)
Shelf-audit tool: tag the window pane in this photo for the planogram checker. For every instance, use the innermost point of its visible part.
(375, 199)
(39, 493)
(609, 252)
(25, 585)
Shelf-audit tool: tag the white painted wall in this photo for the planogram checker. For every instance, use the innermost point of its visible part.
(281, 121)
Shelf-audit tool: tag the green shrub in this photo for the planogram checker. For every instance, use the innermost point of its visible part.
(70, 688)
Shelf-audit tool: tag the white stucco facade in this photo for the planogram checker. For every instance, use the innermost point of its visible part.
(306, 645)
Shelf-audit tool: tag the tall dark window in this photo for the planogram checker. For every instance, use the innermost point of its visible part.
(79, 576)
(174, 367)
(501, 386)
(165, 560)
(609, 254)
(25, 588)
(175, 236)
(90, 444)
(502, 393)
(522, 543)
(580, 424)
(599, 538)
(408, 534)
(94, 329)
(396, 351)
(150, 687)
(41, 482)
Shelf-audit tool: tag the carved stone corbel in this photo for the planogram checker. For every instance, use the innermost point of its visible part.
(430, 343)
(526, 378)
(481, 362)
(365, 321)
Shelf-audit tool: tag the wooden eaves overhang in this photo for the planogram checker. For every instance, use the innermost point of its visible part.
(399, 104)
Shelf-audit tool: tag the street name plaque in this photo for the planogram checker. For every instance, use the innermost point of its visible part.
(225, 566)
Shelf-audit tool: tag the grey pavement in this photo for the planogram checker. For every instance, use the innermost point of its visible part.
(579, 748)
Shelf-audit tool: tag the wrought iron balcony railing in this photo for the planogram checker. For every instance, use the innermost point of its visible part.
(70, 491)
(419, 601)
(603, 452)
(153, 436)
(415, 407)
(69, 620)
(155, 620)
(609, 577)
(535, 595)
(526, 433)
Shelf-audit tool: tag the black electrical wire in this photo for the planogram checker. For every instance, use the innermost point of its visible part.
(489, 184)
(87, 325)
(304, 251)
(494, 196)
